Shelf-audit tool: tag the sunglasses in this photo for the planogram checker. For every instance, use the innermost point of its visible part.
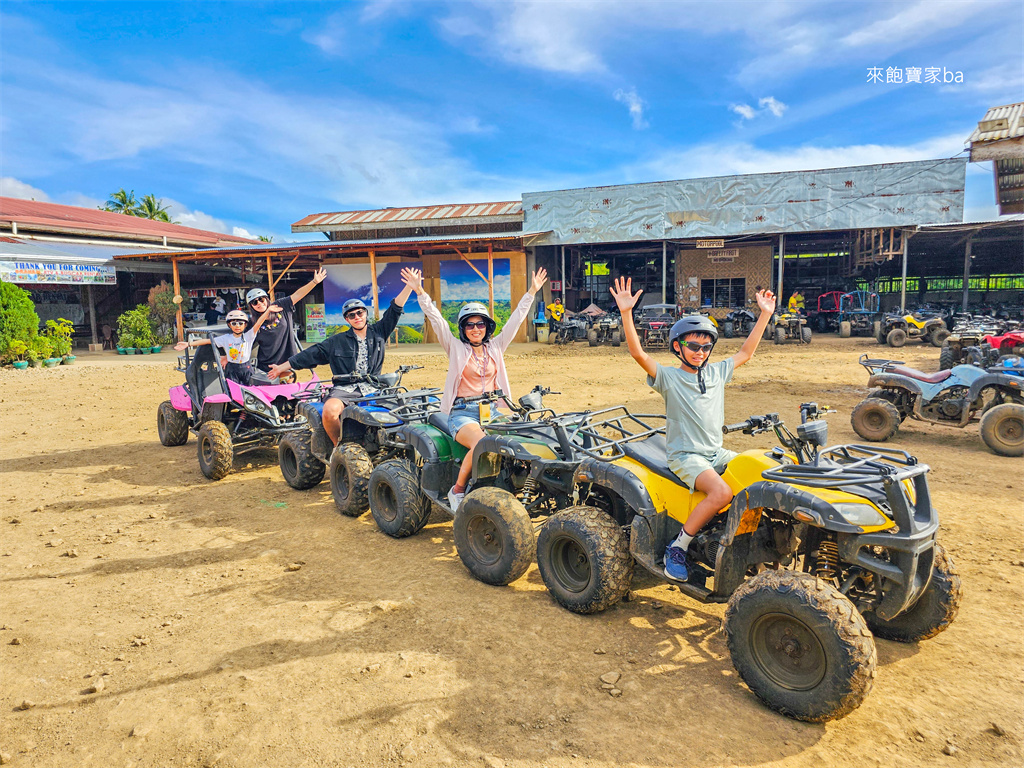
(481, 325)
(355, 313)
(236, 322)
(696, 346)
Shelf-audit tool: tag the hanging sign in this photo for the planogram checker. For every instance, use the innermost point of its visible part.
(316, 323)
(710, 243)
(723, 255)
(56, 272)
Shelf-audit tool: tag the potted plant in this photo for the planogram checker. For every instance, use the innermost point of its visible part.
(39, 349)
(18, 349)
(135, 331)
(59, 333)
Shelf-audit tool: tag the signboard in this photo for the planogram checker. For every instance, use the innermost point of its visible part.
(556, 285)
(723, 255)
(710, 243)
(56, 272)
(316, 323)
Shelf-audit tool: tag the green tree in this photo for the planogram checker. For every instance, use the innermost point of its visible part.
(152, 208)
(122, 202)
(265, 239)
(18, 318)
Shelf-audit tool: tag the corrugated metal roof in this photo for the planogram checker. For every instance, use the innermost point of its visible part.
(439, 238)
(418, 213)
(12, 249)
(1005, 122)
(69, 219)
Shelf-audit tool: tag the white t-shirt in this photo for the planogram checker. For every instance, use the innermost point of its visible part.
(219, 304)
(237, 348)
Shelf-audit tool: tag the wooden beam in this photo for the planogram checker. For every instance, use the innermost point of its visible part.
(471, 265)
(282, 274)
(179, 319)
(490, 277)
(373, 284)
(270, 277)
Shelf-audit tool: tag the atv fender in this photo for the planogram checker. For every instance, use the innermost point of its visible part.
(491, 449)
(213, 408)
(433, 452)
(1000, 381)
(894, 381)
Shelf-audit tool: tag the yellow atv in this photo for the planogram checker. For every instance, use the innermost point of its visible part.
(790, 326)
(819, 548)
(897, 329)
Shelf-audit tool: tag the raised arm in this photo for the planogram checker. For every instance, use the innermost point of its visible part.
(515, 320)
(413, 280)
(318, 277)
(266, 313)
(622, 292)
(766, 303)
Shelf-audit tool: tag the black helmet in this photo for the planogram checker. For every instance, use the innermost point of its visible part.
(351, 304)
(475, 308)
(691, 324)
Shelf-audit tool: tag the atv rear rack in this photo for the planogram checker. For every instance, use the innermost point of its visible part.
(625, 427)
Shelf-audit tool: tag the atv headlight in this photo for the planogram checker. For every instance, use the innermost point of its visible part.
(860, 514)
(387, 418)
(255, 404)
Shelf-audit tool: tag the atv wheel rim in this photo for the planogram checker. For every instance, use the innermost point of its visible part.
(1010, 432)
(484, 540)
(386, 505)
(570, 563)
(207, 448)
(874, 420)
(161, 424)
(340, 483)
(787, 652)
(289, 466)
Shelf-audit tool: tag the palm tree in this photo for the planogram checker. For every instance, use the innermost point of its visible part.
(122, 202)
(151, 208)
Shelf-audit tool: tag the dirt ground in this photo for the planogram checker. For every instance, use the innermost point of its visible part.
(242, 623)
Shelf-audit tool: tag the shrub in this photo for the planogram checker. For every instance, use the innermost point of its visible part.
(59, 333)
(18, 318)
(16, 349)
(40, 348)
(134, 329)
(161, 304)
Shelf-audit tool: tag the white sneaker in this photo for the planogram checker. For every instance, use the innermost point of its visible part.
(455, 499)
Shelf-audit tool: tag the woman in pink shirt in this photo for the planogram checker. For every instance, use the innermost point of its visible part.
(476, 364)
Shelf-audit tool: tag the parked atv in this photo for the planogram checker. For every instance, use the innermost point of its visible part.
(826, 317)
(739, 322)
(378, 404)
(956, 397)
(653, 324)
(967, 332)
(859, 314)
(570, 330)
(820, 548)
(790, 326)
(1009, 343)
(228, 418)
(606, 328)
(896, 329)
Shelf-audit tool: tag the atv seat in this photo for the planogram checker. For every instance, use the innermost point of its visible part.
(202, 375)
(439, 420)
(653, 454)
(929, 378)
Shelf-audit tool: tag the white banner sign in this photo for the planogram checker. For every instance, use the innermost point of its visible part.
(723, 255)
(56, 272)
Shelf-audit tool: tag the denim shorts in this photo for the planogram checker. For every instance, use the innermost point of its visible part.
(690, 465)
(469, 413)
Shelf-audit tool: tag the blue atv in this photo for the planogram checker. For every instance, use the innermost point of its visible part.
(955, 397)
(859, 314)
(377, 404)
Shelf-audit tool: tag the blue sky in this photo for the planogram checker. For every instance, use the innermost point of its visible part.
(248, 116)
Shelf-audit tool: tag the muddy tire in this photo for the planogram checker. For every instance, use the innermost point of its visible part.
(215, 450)
(592, 338)
(890, 397)
(845, 329)
(875, 419)
(584, 559)
(350, 471)
(494, 536)
(876, 331)
(171, 424)
(780, 334)
(398, 506)
(616, 338)
(728, 329)
(1002, 429)
(897, 337)
(769, 331)
(805, 334)
(299, 467)
(938, 336)
(934, 610)
(947, 358)
(800, 645)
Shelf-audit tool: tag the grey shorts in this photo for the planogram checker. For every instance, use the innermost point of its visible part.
(689, 466)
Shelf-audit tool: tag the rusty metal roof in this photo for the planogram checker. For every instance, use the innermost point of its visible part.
(1005, 122)
(31, 216)
(388, 217)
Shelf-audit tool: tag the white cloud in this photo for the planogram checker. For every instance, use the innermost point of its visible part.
(242, 232)
(635, 105)
(11, 187)
(773, 105)
(745, 111)
(768, 105)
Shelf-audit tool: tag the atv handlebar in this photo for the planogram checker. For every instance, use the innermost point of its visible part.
(754, 425)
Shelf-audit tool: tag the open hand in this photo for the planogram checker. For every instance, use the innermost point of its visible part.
(622, 292)
(765, 301)
(320, 275)
(539, 278)
(277, 371)
(181, 346)
(413, 278)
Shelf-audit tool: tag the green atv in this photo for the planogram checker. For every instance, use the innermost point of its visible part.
(820, 548)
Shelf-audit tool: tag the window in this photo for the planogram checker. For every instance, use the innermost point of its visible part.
(723, 292)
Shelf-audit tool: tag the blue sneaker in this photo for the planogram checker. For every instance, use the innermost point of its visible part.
(675, 564)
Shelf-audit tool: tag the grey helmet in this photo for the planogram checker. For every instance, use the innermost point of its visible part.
(475, 308)
(255, 293)
(693, 324)
(351, 304)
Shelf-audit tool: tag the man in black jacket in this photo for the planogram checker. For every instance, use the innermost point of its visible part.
(360, 349)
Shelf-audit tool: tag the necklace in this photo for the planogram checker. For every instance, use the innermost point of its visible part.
(481, 367)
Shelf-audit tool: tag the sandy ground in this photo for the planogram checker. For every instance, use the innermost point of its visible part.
(242, 623)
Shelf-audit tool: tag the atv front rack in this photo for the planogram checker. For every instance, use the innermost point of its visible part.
(852, 464)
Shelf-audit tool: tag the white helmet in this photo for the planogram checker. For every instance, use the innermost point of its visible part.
(475, 308)
(236, 314)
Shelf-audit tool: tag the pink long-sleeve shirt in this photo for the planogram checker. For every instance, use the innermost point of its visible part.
(459, 352)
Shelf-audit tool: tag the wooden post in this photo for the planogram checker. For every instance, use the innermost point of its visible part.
(903, 284)
(967, 273)
(92, 315)
(563, 274)
(490, 276)
(373, 284)
(270, 277)
(664, 268)
(781, 306)
(179, 320)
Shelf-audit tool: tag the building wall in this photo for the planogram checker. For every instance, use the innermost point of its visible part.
(753, 263)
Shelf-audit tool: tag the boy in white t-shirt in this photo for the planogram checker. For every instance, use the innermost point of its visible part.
(236, 346)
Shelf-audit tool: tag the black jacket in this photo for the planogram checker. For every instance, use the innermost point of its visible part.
(340, 350)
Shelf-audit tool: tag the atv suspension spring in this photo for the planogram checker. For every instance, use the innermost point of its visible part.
(529, 490)
(827, 566)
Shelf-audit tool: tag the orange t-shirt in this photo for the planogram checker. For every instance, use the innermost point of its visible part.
(478, 376)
